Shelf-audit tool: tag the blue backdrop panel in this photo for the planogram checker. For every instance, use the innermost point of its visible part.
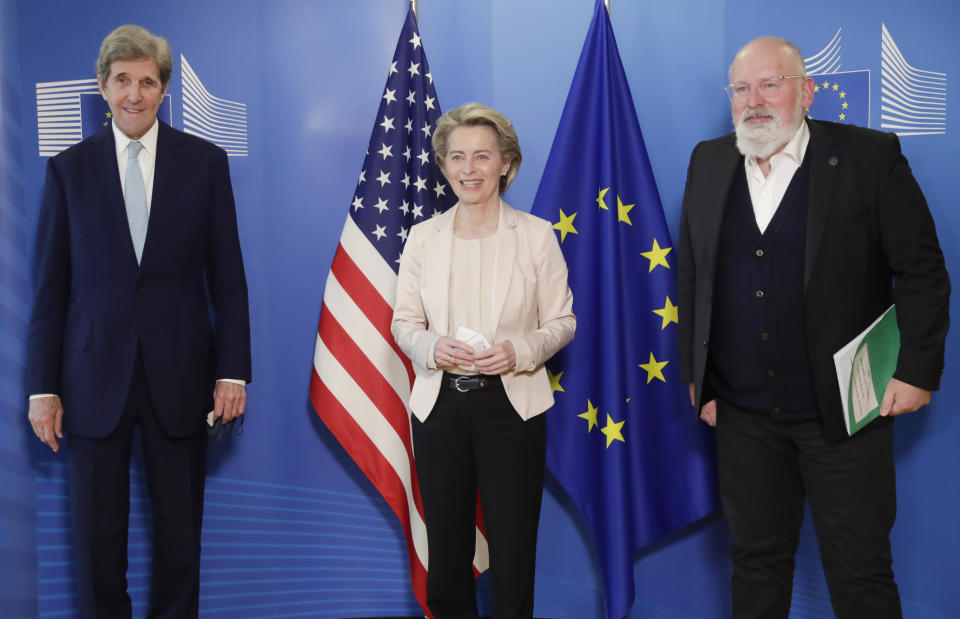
(18, 530)
(292, 528)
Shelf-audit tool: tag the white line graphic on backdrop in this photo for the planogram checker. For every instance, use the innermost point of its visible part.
(220, 121)
(912, 101)
(59, 123)
(826, 60)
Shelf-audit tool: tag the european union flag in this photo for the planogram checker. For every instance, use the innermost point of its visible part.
(842, 97)
(622, 438)
(95, 113)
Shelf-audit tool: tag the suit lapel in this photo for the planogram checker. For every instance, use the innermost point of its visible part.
(503, 261)
(114, 213)
(163, 169)
(436, 268)
(824, 165)
(714, 203)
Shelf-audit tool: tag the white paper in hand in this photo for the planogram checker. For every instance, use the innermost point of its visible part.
(474, 339)
(864, 395)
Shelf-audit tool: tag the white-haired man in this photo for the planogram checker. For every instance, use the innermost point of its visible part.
(795, 236)
(137, 229)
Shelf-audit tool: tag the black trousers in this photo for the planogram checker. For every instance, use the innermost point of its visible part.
(471, 441)
(99, 473)
(767, 467)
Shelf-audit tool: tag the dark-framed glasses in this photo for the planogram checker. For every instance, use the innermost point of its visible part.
(768, 87)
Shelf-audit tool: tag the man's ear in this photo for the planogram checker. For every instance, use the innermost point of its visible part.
(807, 88)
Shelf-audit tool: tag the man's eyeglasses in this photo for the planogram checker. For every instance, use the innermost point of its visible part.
(768, 87)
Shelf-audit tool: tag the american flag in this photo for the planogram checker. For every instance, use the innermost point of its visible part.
(361, 380)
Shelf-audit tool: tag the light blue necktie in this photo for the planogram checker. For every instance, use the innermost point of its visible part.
(136, 199)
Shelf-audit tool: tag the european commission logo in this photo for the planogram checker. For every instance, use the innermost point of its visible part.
(69, 111)
(913, 101)
(220, 121)
(838, 96)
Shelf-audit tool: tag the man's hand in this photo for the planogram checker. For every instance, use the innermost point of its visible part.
(46, 418)
(902, 398)
(229, 401)
(708, 413)
(497, 359)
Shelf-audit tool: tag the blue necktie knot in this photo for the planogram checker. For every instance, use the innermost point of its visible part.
(133, 150)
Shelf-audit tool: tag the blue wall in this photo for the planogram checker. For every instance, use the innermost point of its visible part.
(18, 529)
(291, 526)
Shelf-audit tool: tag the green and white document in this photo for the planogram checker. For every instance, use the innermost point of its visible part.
(865, 367)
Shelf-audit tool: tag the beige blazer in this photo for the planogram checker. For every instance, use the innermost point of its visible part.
(531, 299)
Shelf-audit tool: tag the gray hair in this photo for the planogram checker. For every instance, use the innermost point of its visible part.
(477, 114)
(133, 42)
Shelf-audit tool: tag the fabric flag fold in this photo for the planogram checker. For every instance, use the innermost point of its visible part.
(622, 438)
(361, 380)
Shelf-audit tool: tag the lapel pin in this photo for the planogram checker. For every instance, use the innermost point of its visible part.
(833, 160)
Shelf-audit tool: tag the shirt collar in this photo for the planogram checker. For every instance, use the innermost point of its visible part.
(797, 145)
(148, 140)
(794, 149)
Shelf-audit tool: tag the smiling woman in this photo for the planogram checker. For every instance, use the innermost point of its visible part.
(482, 303)
(474, 166)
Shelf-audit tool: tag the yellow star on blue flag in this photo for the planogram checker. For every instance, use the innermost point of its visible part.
(565, 225)
(590, 415)
(669, 313)
(612, 431)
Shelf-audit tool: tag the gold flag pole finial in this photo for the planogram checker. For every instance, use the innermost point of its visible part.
(606, 3)
(413, 8)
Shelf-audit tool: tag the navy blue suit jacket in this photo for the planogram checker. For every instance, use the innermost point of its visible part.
(184, 307)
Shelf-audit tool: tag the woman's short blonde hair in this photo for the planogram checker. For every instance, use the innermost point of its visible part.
(477, 114)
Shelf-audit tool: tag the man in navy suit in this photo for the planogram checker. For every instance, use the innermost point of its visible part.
(796, 235)
(140, 319)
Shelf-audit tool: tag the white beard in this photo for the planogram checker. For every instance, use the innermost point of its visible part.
(761, 142)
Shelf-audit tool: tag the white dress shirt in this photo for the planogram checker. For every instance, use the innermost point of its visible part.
(147, 158)
(766, 192)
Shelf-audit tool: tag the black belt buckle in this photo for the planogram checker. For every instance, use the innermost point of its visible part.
(463, 384)
(480, 383)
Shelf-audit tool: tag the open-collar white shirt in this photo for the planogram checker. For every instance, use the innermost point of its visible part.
(766, 192)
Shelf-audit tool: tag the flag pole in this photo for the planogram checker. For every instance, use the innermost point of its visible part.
(606, 3)
(413, 8)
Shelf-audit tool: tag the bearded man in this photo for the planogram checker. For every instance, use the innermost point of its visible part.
(795, 236)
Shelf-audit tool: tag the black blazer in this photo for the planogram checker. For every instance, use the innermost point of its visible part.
(871, 241)
(94, 306)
